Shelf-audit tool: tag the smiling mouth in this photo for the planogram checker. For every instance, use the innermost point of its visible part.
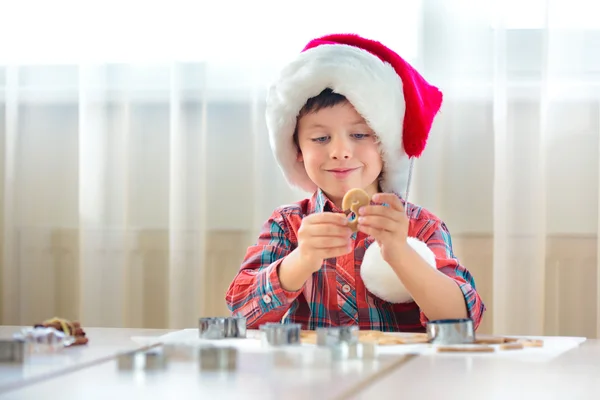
(341, 170)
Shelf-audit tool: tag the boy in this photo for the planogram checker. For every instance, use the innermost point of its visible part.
(350, 113)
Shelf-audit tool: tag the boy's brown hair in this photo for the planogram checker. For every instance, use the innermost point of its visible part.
(327, 98)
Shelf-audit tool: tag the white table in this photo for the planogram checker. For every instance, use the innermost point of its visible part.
(104, 344)
(91, 372)
(574, 376)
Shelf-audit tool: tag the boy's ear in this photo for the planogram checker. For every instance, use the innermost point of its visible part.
(299, 156)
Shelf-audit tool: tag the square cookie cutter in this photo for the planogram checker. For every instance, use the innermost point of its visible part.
(12, 351)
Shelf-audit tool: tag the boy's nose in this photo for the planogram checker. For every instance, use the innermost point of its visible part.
(340, 150)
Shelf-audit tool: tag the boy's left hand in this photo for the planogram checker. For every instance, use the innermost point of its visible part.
(388, 225)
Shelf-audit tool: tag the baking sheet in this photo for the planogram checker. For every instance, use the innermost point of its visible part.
(553, 346)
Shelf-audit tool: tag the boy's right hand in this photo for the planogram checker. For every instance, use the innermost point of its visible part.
(323, 235)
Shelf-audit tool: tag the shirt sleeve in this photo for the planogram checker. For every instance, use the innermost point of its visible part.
(256, 293)
(440, 242)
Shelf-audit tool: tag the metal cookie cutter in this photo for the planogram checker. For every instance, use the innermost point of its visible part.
(298, 357)
(155, 359)
(127, 361)
(344, 343)
(451, 331)
(12, 351)
(345, 351)
(332, 336)
(222, 327)
(341, 340)
(368, 350)
(274, 334)
(179, 351)
(213, 358)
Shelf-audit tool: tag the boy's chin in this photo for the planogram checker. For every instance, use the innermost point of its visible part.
(338, 192)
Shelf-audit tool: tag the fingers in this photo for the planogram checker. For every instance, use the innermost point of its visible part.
(380, 211)
(327, 218)
(327, 230)
(325, 224)
(322, 247)
(379, 222)
(380, 216)
(325, 235)
(326, 242)
(377, 234)
(389, 198)
(383, 222)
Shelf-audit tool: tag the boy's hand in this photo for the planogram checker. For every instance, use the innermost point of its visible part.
(387, 225)
(323, 235)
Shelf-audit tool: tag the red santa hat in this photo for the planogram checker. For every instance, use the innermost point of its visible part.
(392, 97)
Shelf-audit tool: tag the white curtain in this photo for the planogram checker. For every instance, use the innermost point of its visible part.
(136, 166)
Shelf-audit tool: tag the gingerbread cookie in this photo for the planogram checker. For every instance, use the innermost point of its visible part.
(69, 328)
(372, 336)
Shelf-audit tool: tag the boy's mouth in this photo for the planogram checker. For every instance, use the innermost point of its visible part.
(341, 172)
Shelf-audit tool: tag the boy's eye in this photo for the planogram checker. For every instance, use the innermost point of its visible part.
(321, 139)
(360, 135)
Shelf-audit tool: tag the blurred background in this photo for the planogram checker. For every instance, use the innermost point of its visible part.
(136, 169)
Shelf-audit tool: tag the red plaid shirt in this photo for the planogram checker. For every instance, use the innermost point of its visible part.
(336, 295)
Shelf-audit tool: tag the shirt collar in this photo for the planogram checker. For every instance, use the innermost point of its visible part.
(321, 203)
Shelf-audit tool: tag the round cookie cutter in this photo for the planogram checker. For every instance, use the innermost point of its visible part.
(332, 336)
(128, 360)
(343, 341)
(213, 358)
(222, 327)
(451, 331)
(274, 334)
(155, 359)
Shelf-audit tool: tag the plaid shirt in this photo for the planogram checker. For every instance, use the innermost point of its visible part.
(336, 295)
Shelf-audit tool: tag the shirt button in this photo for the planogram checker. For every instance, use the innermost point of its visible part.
(267, 298)
(345, 288)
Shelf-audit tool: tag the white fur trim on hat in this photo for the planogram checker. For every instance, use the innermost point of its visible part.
(372, 86)
(379, 277)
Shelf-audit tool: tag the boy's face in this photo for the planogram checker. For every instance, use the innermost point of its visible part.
(339, 151)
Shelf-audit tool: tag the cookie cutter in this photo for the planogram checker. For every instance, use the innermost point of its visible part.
(451, 331)
(345, 351)
(274, 334)
(127, 361)
(214, 358)
(368, 350)
(155, 359)
(298, 357)
(345, 344)
(176, 351)
(222, 327)
(332, 336)
(12, 351)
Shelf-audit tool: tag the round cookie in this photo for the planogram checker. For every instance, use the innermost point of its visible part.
(352, 201)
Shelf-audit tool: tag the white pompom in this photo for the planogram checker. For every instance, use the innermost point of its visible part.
(379, 277)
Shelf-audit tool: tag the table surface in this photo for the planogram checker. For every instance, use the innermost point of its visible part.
(105, 344)
(572, 375)
(91, 372)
